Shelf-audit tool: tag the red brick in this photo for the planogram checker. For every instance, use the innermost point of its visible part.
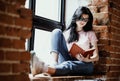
(25, 55)
(104, 41)
(102, 18)
(93, 9)
(24, 77)
(99, 2)
(102, 35)
(9, 8)
(5, 68)
(113, 79)
(115, 4)
(16, 68)
(103, 60)
(2, 30)
(113, 61)
(95, 21)
(7, 43)
(101, 28)
(110, 48)
(115, 18)
(115, 30)
(25, 34)
(114, 36)
(115, 55)
(12, 55)
(115, 42)
(2, 54)
(23, 22)
(21, 77)
(103, 53)
(114, 24)
(106, 48)
(22, 2)
(2, 6)
(13, 9)
(6, 19)
(16, 56)
(16, 32)
(25, 13)
(103, 8)
(116, 49)
(114, 11)
(18, 44)
(9, 1)
(99, 69)
(115, 68)
(113, 74)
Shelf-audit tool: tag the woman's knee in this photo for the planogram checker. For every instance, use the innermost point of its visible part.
(90, 70)
(57, 31)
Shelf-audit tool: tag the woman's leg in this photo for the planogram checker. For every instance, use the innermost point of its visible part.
(38, 66)
(59, 47)
(82, 68)
(65, 68)
(74, 68)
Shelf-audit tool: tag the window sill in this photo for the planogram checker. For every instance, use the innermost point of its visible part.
(96, 77)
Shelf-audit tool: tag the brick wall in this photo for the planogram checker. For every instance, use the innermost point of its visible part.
(15, 27)
(106, 24)
(114, 36)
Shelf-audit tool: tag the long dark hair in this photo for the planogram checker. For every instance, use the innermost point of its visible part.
(78, 13)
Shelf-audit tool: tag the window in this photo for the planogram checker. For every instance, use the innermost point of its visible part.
(42, 45)
(48, 9)
(47, 15)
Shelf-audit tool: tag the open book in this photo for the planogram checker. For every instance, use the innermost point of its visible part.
(75, 49)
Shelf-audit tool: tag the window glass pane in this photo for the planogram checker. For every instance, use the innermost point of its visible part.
(42, 45)
(48, 8)
(27, 4)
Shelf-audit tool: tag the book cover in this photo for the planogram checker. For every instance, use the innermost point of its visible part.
(75, 49)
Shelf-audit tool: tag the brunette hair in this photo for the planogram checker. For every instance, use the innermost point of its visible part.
(77, 15)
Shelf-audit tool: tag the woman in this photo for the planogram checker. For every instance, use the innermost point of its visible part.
(79, 32)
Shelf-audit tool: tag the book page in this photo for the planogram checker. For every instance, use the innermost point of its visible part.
(75, 49)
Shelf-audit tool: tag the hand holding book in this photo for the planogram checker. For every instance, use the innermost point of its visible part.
(75, 49)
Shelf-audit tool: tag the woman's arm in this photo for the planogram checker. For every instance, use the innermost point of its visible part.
(93, 58)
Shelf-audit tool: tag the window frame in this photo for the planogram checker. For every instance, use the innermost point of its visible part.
(44, 23)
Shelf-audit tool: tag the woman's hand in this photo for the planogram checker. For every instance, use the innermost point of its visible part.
(80, 57)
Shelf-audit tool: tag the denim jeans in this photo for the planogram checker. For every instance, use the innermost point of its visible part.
(67, 65)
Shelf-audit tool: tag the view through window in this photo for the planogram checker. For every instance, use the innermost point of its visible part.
(50, 9)
(42, 45)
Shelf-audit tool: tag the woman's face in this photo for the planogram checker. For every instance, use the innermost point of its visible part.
(82, 22)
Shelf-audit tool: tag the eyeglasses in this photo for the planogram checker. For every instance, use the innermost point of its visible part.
(83, 19)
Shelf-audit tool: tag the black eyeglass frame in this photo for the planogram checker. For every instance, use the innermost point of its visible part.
(83, 19)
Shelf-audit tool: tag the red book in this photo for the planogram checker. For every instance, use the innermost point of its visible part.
(75, 49)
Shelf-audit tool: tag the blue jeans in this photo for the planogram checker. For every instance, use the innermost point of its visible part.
(67, 65)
